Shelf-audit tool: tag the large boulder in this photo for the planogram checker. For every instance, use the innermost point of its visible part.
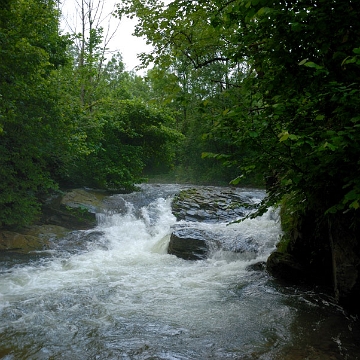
(285, 266)
(190, 244)
(193, 243)
(328, 257)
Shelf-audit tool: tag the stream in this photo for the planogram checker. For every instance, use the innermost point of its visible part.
(113, 292)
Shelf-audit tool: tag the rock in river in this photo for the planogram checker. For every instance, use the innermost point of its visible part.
(196, 206)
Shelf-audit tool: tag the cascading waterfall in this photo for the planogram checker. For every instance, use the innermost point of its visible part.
(121, 296)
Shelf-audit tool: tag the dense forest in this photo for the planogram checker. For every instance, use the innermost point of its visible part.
(243, 91)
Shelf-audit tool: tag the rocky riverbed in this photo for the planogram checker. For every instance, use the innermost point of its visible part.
(76, 209)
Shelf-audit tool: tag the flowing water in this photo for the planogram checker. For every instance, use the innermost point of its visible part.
(113, 292)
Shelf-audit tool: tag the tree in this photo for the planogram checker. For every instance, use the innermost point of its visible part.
(131, 137)
(306, 128)
(193, 77)
(90, 44)
(30, 120)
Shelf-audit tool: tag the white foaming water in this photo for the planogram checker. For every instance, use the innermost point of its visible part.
(126, 298)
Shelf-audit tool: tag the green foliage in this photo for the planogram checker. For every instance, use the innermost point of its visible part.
(68, 116)
(265, 88)
(196, 81)
(289, 107)
(128, 137)
(291, 211)
(115, 136)
(30, 120)
(313, 102)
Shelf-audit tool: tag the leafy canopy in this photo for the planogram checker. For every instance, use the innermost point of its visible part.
(298, 113)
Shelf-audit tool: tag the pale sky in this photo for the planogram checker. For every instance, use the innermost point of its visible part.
(129, 46)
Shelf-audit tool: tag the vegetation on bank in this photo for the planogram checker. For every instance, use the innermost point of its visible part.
(69, 116)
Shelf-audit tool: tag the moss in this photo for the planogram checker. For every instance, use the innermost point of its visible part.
(283, 244)
(81, 213)
(290, 214)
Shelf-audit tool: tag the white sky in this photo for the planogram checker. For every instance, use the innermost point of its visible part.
(129, 46)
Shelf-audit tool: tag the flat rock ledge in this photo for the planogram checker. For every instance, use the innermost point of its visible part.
(211, 204)
(33, 238)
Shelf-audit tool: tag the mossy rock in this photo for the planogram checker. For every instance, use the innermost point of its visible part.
(91, 200)
(16, 242)
(30, 239)
(211, 204)
(75, 209)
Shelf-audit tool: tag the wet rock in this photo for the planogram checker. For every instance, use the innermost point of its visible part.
(189, 244)
(16, 242)
(61, 214)
(91, 200)
(33, 238)
(46, 232)
(259, 266)
(285, 267)
(240, 244)
(75, 209)
(79, 241)
(211, 204)
(72, 218)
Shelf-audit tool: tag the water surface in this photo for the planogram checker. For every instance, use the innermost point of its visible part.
(113, 292)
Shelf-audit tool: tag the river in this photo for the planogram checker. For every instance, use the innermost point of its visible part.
(113, 292)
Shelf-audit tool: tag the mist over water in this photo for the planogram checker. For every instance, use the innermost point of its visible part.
(121, 296)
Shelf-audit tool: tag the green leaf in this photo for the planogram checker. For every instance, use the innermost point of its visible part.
(329, 145)
(263, 11)
(236, 180)
(302, 62)
(283, 136)
(296, 27)
(349, 60)
(352, 195)
(354, 205)
(311, 64)
(355, 119)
